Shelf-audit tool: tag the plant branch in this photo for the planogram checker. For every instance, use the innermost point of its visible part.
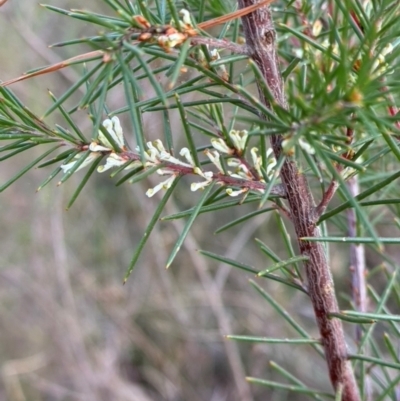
(260, 38)
(357, 251)
(219, 44)
(357, 258)
(327, 197)
(220, 178)
(173, 167)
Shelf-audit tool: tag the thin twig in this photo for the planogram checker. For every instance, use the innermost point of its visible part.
(55, 67)
(219, 44)
(327, 197)
(357, 258)
(357, 251)
(358, 273)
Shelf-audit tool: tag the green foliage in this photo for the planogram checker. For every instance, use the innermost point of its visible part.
(341, 78)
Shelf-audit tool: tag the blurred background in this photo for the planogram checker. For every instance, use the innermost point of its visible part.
(69, 329)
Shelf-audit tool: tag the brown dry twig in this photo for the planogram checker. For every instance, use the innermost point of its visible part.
(55, 67)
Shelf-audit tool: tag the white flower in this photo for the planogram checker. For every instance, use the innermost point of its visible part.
(221, 69)
(306, 146)
(165, 156)
(299, 53)
(200, 56)
(271, 163)
(254, 156)
(214, 54)
(95, 147)
(114, 128)
(380, 65)
(387, 49)
(152, 154)
(214, 156)
(288, 146)
(185, 152)
(158, 145)
(233, 162)
(156, 153)
(185, 16)
(241, 170)
(317, 27)
(257, 162)
(237, 175)
(199, 185)
(165, 171)
(239, 139)
(114, 160)
(151, 146)
(221, 146)
(208, 175)
(245, 169)
(171, 40)
(89, 159)
(238, 192)
(162, 185)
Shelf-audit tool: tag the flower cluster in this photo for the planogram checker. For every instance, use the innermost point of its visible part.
(103, 146)
(170, 36)
(241, 171)
(166, 36)
(156, 154)
(237, 173)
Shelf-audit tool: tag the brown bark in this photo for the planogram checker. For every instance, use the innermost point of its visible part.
(260, 38)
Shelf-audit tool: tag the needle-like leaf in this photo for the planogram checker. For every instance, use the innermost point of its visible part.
(188, 225)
